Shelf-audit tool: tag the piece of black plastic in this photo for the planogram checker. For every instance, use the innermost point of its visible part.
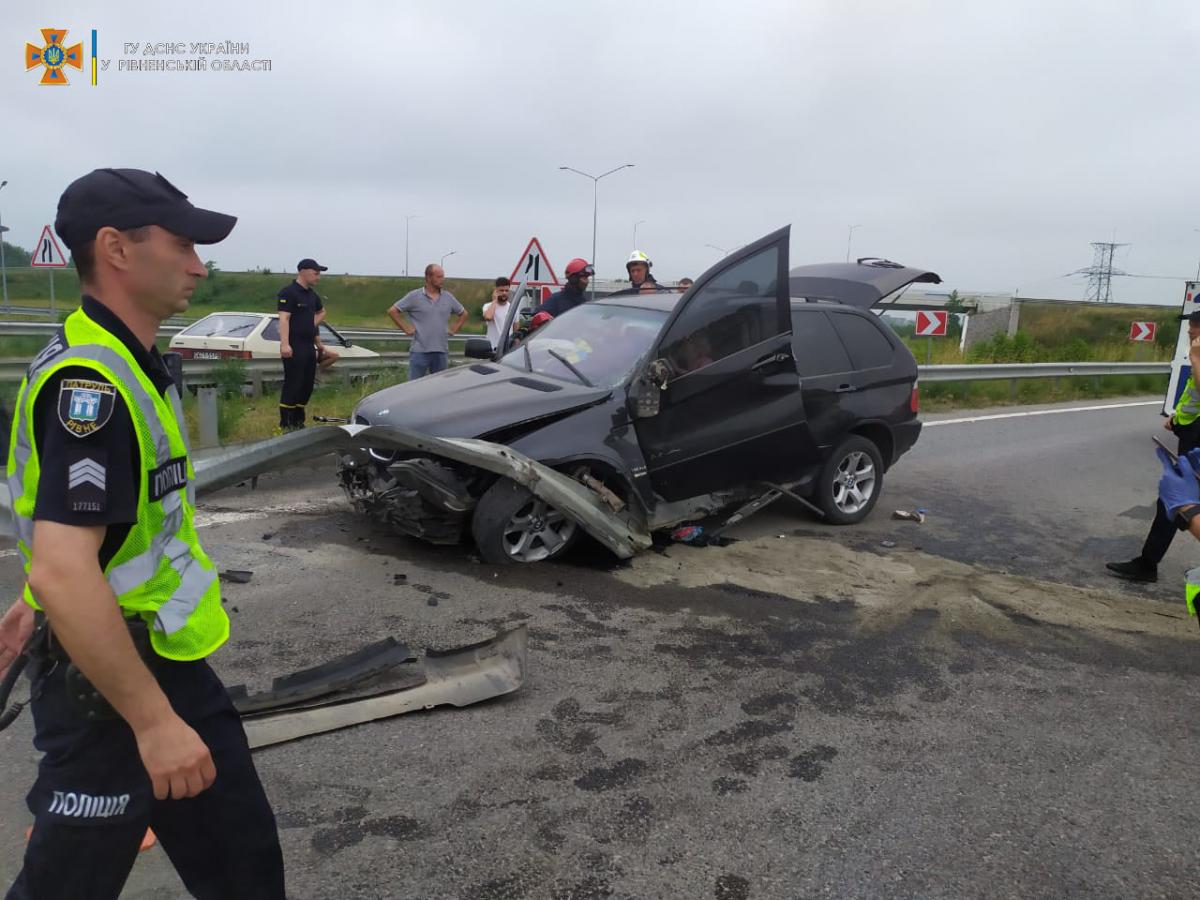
(327, 678)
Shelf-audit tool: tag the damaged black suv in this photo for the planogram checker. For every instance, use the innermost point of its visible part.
(659, 408)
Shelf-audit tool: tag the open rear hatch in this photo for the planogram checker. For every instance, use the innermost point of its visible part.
(862, 283)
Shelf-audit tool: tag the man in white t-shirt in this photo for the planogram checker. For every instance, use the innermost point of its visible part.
(495, 312)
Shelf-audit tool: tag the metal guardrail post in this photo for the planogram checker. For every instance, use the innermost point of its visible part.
(209, 428)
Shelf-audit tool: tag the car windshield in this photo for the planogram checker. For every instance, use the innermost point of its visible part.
(222, 326)
(601, 341)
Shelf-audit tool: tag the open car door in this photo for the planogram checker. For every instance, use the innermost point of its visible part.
(727, 407)
(522, 299)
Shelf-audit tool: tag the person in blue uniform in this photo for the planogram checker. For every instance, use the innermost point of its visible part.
(300, 312)
(135, 728)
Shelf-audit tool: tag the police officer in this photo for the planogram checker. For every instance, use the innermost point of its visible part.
(1185, 424)
(136, 729)
(300, 312)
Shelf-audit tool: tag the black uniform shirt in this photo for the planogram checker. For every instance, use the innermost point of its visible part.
(303, 304)
(86, 443)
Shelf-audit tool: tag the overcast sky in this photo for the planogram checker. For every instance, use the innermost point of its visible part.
(990, 142)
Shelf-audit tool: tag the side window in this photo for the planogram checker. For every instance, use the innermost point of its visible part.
(868, 346)
(816, 345)
(271, 332)
(736, 310)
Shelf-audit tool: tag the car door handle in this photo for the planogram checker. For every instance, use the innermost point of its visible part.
(845, 389)
(769, 361)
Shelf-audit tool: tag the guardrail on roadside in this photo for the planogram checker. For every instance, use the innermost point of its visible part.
(195, 370)
(35, 329)
(1009, 371)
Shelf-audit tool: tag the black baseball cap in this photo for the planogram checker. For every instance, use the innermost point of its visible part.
(133, 198)
(308, 263)
(1192, 317)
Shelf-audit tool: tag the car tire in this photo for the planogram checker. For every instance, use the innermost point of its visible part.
(850, 481)
(513, 525)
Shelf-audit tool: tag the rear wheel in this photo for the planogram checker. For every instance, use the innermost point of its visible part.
(850, 482)
(513, 525)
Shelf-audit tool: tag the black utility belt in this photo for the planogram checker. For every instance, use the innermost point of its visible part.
(82, 697)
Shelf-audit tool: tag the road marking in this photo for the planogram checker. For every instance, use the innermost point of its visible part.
(1042, 412)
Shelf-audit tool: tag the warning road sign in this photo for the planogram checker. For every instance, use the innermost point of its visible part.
(46, 253)
(534, 266)
(932, 323)
(1141, 331)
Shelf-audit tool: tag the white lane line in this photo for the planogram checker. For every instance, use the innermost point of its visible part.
(1042, 412)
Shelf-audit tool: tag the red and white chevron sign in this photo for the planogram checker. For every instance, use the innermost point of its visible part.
(1141, 331)
(932, 323)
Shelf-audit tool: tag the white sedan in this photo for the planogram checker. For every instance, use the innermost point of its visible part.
(244, 335)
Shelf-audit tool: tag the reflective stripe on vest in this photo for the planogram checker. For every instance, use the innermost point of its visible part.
(130, 576)
(1187, 410)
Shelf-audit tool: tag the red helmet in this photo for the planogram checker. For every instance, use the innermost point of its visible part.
(539, 319)
(579, 266)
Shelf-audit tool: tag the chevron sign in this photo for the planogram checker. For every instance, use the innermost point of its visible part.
(86, 471)
(1141, 331)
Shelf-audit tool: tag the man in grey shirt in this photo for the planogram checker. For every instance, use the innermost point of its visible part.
(430, 309)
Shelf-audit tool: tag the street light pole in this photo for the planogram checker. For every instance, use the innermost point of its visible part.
(406, 218)
(849, 238)
(595, 205)
(635, 225)
(3, 267)
(444, 256)
(1197, 230)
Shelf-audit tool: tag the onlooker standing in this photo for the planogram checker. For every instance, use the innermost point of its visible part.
(430, 308)
(496, 311)
(300, 311)
(684, 284)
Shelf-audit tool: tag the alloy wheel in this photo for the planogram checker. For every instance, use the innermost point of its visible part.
(854, 482)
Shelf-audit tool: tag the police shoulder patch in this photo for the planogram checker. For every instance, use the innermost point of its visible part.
(84, 406)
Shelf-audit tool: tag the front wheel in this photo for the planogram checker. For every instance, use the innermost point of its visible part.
(513, 525)
(850, 482)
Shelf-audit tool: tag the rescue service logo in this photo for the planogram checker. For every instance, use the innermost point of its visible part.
(54, 56)
(84, 407)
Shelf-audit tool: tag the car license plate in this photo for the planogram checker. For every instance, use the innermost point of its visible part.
(205, 354)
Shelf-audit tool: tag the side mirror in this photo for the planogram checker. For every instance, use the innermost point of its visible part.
(478, 348)
(648, 387)
(174, 364)
(347, 343)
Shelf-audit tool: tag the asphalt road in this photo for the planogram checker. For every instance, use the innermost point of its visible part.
(730, 742)
(1054, 494)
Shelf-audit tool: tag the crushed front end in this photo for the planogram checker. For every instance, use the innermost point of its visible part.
(420, 496)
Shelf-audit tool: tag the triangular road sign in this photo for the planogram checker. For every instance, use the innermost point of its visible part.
(534, 265)
(46, 252)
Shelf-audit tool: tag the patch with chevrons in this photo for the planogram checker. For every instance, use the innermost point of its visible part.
(87, 480)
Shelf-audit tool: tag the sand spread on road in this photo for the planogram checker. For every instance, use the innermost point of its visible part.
(888, 586)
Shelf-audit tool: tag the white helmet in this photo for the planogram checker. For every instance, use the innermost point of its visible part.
(637, 256)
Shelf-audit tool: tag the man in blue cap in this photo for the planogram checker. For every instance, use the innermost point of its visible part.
(135, 728)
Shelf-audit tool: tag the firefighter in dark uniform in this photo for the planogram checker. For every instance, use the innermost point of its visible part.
(136, 729)
(300, 312)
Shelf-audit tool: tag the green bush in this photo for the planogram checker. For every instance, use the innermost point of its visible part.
(230, 376)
